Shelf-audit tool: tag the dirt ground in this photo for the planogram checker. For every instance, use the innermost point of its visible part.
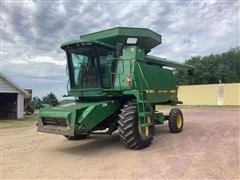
(208, 148)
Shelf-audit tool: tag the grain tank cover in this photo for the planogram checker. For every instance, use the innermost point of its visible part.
(142, 37)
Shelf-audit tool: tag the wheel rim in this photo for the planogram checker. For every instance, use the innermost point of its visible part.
(179, 121)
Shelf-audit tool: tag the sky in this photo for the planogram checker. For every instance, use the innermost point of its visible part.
(32, 32)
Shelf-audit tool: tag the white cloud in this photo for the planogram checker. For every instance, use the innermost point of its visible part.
(47, 59)
(33, 31)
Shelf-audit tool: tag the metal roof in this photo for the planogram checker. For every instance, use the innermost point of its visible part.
(13, 83)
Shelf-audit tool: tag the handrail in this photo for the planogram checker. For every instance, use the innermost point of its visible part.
(118, 74)
(123, 69)
(67, 72)
(140, 69)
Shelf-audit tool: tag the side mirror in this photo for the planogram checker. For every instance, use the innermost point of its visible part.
(119, 49)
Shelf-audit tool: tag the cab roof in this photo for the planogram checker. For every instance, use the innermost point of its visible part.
(145, 38)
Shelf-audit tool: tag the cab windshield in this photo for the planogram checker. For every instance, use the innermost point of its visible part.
(90, 66)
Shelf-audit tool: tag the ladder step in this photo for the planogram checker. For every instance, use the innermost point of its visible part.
(142, 102)
(143, 114)
(147, 124)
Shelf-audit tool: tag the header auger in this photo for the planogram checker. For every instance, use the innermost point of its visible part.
(116, 86)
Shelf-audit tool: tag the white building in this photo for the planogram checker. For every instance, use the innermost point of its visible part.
(11, 99)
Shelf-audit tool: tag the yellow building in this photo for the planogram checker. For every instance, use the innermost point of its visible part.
(210, 94)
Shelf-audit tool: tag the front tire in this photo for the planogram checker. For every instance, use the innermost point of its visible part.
(129, 128)
(175, 121)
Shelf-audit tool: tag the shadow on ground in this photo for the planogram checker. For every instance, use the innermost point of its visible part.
(101, 143)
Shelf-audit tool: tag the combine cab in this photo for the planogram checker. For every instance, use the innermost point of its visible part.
(116, 86)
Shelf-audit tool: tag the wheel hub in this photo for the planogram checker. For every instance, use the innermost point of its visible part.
(179, 121)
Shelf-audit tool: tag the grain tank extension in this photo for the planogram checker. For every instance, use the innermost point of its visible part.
(116, 86)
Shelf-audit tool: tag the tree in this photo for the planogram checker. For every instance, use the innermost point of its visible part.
(210, 69)
(50, 99)
(35, 103)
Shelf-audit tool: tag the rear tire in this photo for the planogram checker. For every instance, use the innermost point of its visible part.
(175, 121)
(77, 137)
(129, 132)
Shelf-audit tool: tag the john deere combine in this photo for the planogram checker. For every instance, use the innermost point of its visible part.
(116, 85)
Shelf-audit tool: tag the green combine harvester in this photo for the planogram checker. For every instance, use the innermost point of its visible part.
(116, 86)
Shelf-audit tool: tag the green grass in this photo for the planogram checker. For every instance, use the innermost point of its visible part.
(28, 120)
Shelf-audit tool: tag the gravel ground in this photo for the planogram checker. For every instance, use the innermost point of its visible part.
(207, 148)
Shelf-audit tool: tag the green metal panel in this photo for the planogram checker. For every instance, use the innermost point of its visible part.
(165, 62)
(46, 112)
(86, 92)
(146, 38)
(159, 83)
(159, 98)
(124, 67)
(83, 41)
(81, 117)
(67, 111)
(155, 76)
(96, 113)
